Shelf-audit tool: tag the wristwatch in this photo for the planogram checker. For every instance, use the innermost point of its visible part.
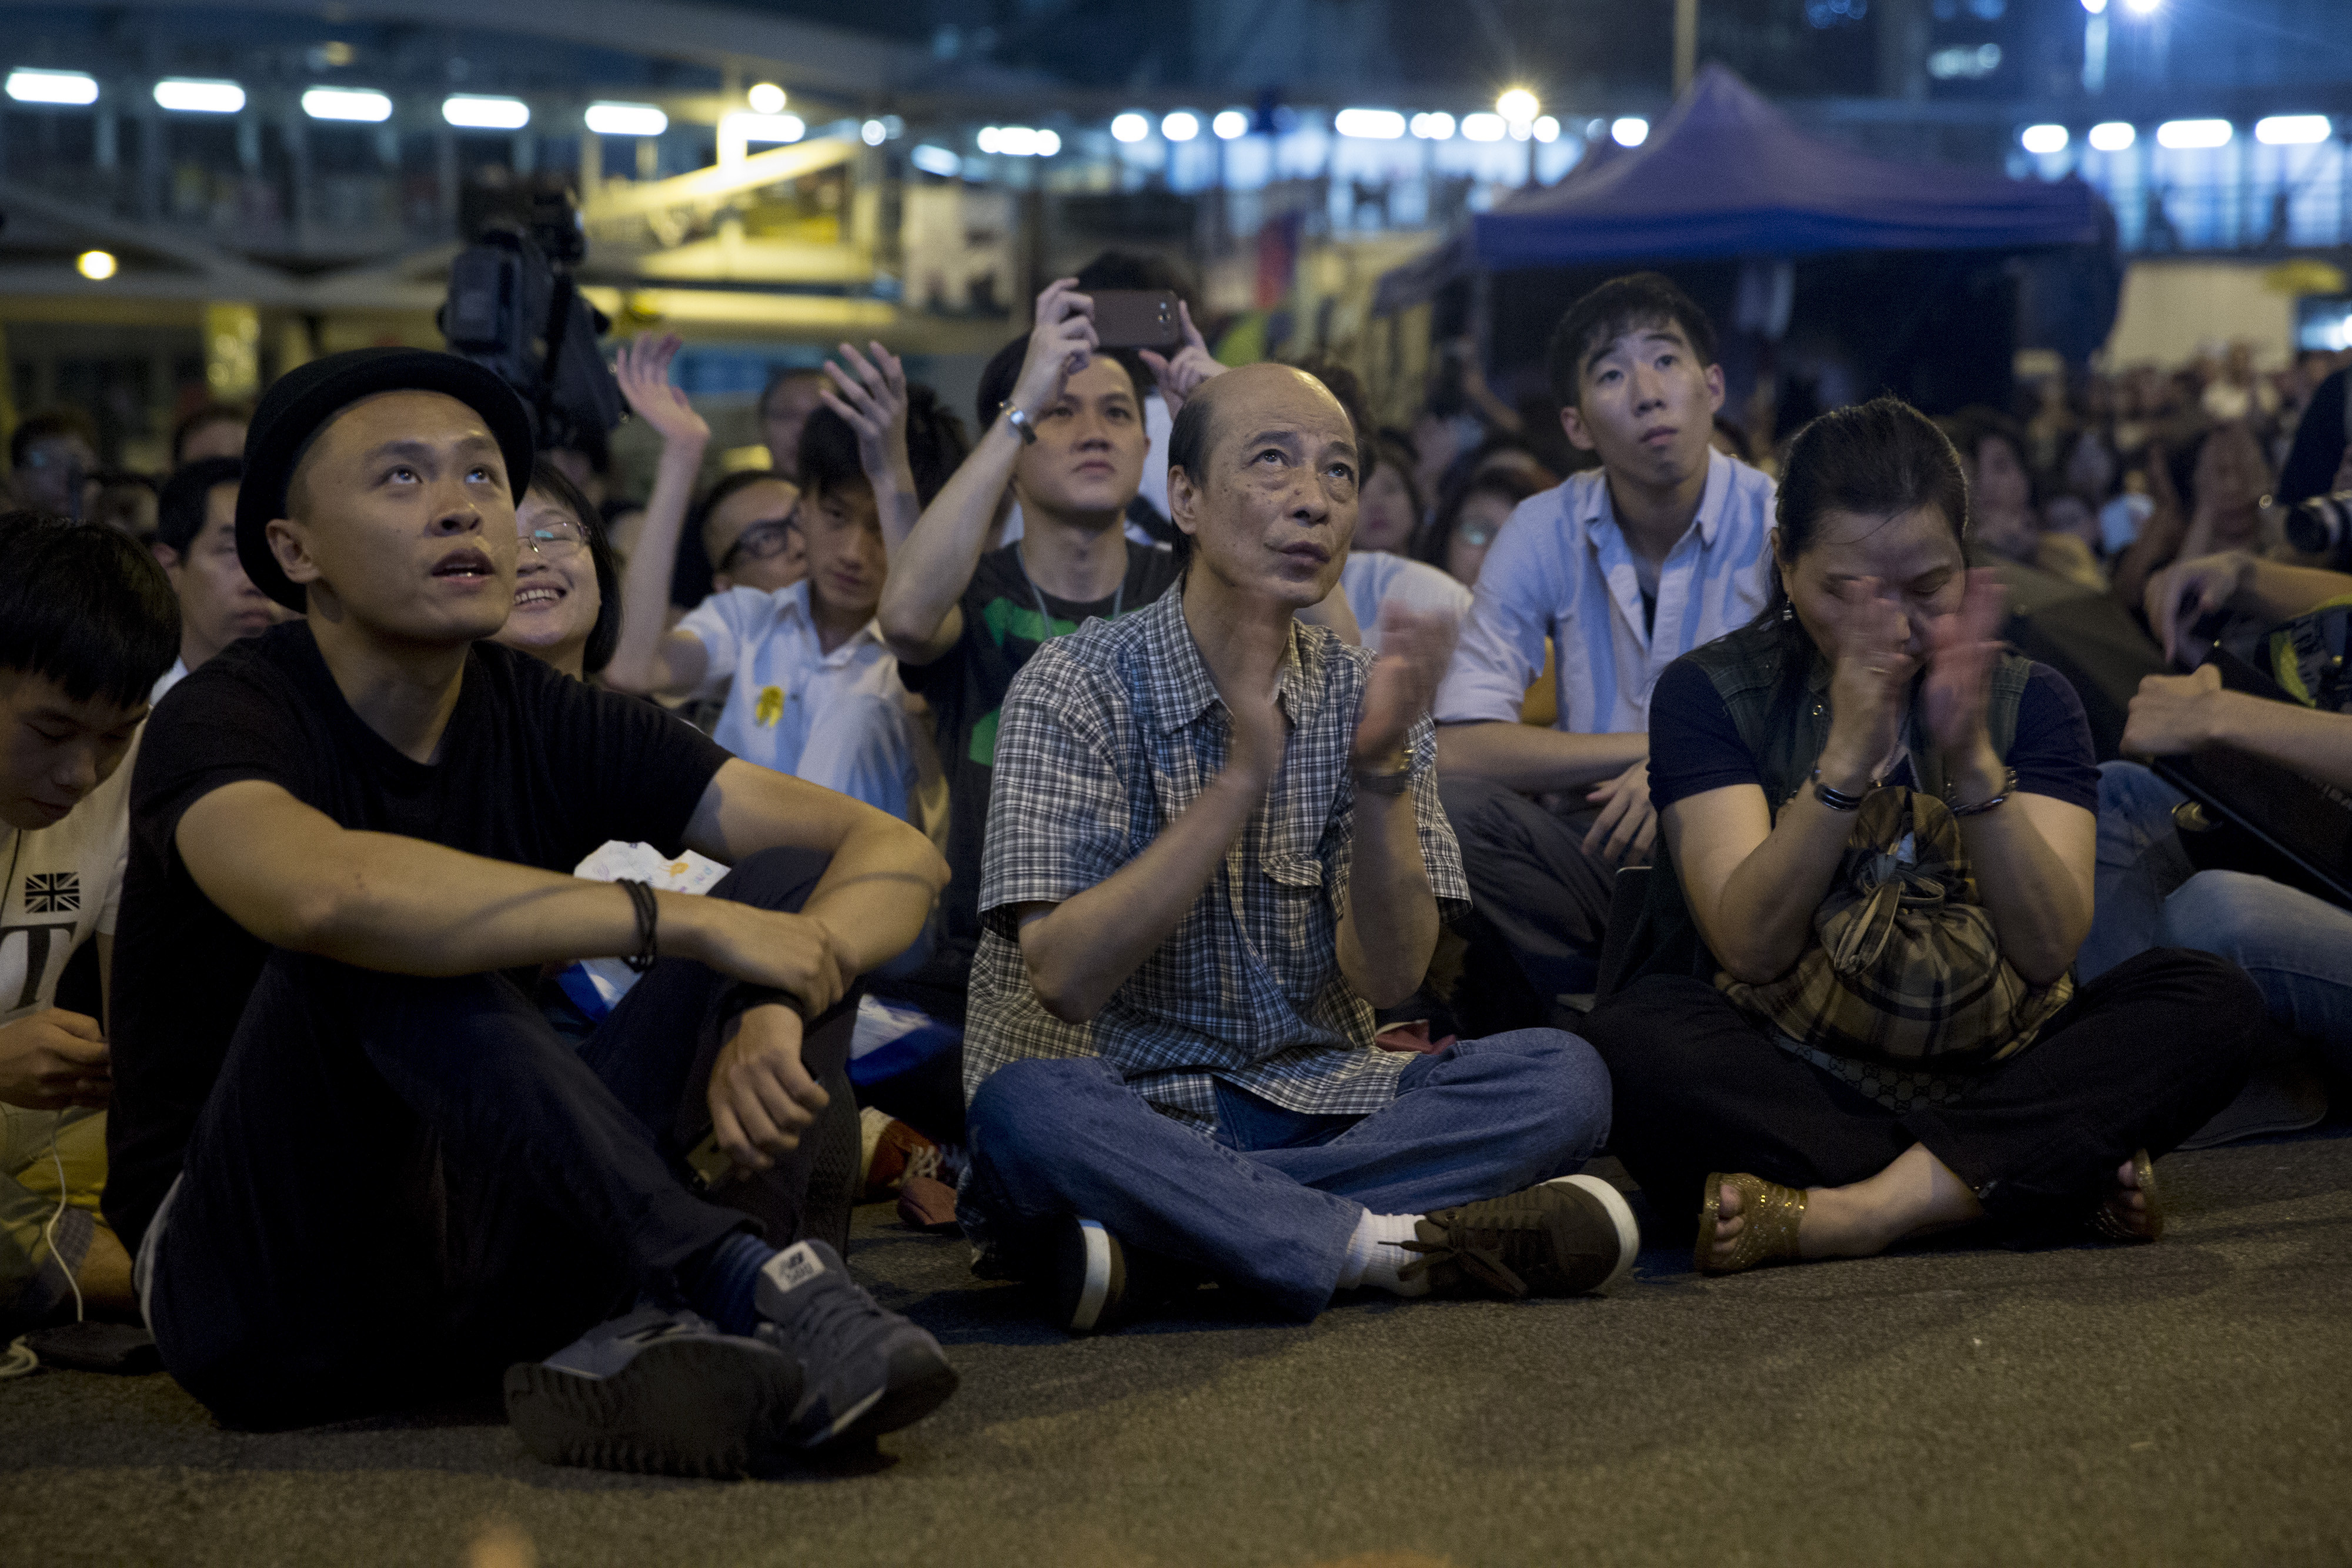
(1386, 780)
(1019, 420)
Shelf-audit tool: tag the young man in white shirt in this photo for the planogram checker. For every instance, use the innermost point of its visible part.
(1622, 568)
(810, 687)
(87, 621)
(196, 538)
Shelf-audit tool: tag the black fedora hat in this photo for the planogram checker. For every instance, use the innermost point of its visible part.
(301, 402)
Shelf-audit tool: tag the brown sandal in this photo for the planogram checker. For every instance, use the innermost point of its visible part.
(2104, 1222)
(1772, 1213)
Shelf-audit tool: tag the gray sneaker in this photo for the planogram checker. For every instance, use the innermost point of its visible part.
(869, 1371)
(660, 1393)
(1572, 1236)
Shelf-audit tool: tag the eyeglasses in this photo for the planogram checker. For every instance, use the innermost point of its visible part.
(552, 539)
(1475, 535)
(761, 541)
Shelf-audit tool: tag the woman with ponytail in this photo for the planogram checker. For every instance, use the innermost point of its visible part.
(1854, 1018)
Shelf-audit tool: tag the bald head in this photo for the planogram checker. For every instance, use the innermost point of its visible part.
(1262, 473)
(1201, 423)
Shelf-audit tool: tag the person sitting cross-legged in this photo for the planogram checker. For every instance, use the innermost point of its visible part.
(1214, 846)
(1856, 1018)
(354, 1162)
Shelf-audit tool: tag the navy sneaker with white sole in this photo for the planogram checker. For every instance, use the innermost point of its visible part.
(659, 1393)
(867, 1370)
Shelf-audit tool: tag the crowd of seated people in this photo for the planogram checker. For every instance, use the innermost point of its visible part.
(520, 866)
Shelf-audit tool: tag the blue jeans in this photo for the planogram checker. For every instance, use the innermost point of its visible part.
(1270, 1204)
(2298, 948)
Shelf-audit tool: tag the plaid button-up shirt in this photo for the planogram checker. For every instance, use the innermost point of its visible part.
(1109, 735)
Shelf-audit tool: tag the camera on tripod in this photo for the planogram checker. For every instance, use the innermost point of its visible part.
(513, 307)
(2322, 526)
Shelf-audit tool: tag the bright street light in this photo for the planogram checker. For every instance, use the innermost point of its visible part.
(1368, 124)
(1181, 126)
(1484, 127)
(1231, 125)
(98, 265)
(2112, 136)
(469, 111)
(2044, 139)
(765, 97)
(1131, 127)
(2143, 7)
(2187, 135)
(766, 126)
(52, 86)
(626, 120)
(1630, 132)
(188, 96)
(1517, 105)
(358, 103)
(1547, 127)
(2291, 130)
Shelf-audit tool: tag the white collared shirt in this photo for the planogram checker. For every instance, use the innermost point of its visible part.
(1561, 569)
(838, 719)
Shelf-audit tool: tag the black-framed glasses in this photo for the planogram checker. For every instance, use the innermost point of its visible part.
(550, 540)
(761, 541)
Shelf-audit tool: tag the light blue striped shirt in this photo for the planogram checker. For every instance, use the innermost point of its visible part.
(1561, 568)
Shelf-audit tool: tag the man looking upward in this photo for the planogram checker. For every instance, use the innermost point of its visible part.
(1624, 568)
(1212, 851)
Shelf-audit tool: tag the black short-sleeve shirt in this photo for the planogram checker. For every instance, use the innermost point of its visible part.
(966, 686)
(1694, 746)
(536, 769)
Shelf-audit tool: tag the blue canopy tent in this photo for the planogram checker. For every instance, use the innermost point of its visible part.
(1726, 175)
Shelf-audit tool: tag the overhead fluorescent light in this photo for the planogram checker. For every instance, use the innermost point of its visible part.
(1436, 126)
(346, 103)
(937, 161)
(1630, 131)
(1484, 127)
(1181, 126)
(2187, 135)
(1231, 124)
(1130, 126)
(2111, 136)
(74, 88)
(2293, 129)
(471, 112)
(626, 119)
(2044, 139)
(189, 96)
(1368, 124)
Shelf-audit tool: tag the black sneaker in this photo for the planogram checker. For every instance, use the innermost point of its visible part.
(1096, 1284)
(1569, 1236)
(658, 1393)
(869, 1371)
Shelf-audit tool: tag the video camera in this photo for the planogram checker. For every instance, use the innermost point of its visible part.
(514, 310)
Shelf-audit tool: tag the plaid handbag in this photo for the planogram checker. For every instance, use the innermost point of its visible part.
(1905, 966)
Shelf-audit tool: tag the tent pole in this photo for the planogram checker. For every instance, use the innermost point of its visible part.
(1686, 44)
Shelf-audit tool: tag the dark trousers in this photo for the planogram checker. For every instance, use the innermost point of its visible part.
(1541, 902)
(2140, 1058)
(399, 1184)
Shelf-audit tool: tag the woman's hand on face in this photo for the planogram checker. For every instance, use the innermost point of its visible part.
(1961, 649)
(1874, 666)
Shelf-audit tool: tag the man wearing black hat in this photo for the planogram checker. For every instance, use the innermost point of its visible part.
(353, 1159)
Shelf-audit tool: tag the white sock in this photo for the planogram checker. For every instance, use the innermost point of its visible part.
(1376, 1257)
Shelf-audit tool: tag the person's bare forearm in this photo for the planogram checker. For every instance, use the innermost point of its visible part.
(877, 891)
(1080, 953)
(638, 662)
(2278, 591)
(1390, 927)
(2318, 745)
(933, 565)
(1524, 757)
(1762, 920)
(2041, 910)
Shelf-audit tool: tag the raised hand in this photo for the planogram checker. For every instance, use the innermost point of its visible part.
(1178, 373)
(642, 368)
(1416, 646)
(870, 396)
(2188, 591)
(1060, 346)
(1874, 666)
(1962, 648)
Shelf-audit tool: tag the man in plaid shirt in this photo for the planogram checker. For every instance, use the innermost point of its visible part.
(1214, 846)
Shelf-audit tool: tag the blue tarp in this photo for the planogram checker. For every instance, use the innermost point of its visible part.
(1726, 174)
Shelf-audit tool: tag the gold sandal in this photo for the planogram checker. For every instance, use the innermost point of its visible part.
(1772, 1213)
(2105, 1222)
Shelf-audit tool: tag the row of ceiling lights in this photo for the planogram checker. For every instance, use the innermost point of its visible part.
(1516, 114)
(467, 111)
(2182, 135)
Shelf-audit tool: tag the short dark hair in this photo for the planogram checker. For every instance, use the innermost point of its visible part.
(85, 608)
(1003, 373)
(1620, 305)
(551, 483)
(180, 514)
(46, 427)
(690, 576)
(936, 446)
(1877, 459)
(204, 414)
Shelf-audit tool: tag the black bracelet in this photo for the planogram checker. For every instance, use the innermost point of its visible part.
(641, 899)
(2007, 787)
(1838, 799)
